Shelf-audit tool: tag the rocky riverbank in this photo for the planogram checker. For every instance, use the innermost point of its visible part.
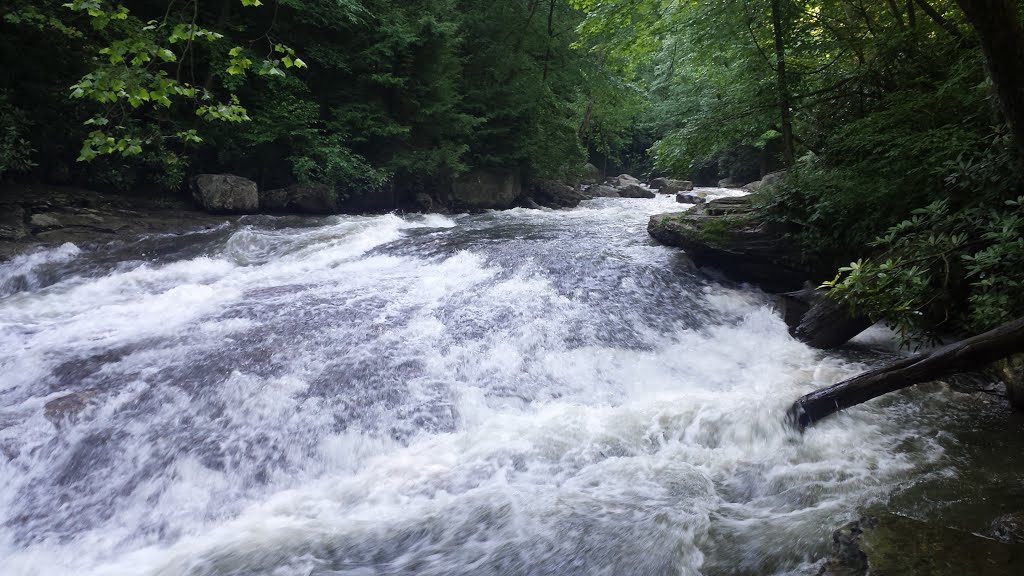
(53, 215)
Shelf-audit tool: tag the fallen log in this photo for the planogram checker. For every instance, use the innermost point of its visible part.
(955, 358)
(819, 321)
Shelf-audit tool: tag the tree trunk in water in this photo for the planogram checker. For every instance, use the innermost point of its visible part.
(997, 23)
(784, 105)
(955, 358)
(828, 323)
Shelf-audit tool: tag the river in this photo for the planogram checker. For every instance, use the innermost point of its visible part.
(517, 392)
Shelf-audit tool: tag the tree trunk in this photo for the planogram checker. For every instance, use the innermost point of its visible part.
(827, 323)
(997, 23)
(942, 22)
(962, 356)
(784, 104)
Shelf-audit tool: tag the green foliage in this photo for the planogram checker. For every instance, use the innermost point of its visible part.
(949, 268)
(15, 150)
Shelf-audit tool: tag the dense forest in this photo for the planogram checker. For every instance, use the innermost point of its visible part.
(900, 156)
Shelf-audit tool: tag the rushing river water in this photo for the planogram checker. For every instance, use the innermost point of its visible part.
(519, 392)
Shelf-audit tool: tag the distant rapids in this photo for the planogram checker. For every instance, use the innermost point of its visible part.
(518, 392)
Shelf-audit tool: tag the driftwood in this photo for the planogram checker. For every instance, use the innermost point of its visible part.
(955, 358)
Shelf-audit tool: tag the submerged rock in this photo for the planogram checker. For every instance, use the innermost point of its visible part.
(893, 545)
(225, 194)
(69, 406)
(897, 545)
(1009, 528)
(847, 558)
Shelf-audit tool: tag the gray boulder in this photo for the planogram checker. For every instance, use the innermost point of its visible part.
(670, 186)
(730, 183)
(300, 199)
(690, 198)
(769, 180)
(555, 195)
(225, 194)
(635, 191)
(602, 191)
(622, 180)
(591, 174)
(485, 189)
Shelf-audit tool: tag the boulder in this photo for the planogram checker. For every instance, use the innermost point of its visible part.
(1009, 528)
(669, 186)
(12, 222)
(730, 183)
(300, 199)
(724, 234)
(69, 406)
(602, 191)
(635, 191)
(555, 195)
(899, 545)
(691, 197)
(378, 199)
(591, 174)
(225, 194)
(1011, 372)
(44, 222)
(623, 180)
(773, 178)
(483, 189)
(768, 180)
(424, 202)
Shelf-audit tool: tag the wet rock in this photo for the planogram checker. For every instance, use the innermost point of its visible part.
(691, 197)
(225, 194)
(591, 174)
(424, 202)
(897, 546)
(602, 191)
(1009, 528)
(847, 558)
(44, 222)
(669, 186)
(622, 181)
(726, 235)
(730, 183)
(68, 407)
(486, 189)
(555, 195)
(12, 222)
(1011, 372)
(635, 191)
(300, 199)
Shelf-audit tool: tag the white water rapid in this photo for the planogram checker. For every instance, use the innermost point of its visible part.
(519, 392)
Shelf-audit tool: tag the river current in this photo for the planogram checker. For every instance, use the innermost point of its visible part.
(517, 392)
